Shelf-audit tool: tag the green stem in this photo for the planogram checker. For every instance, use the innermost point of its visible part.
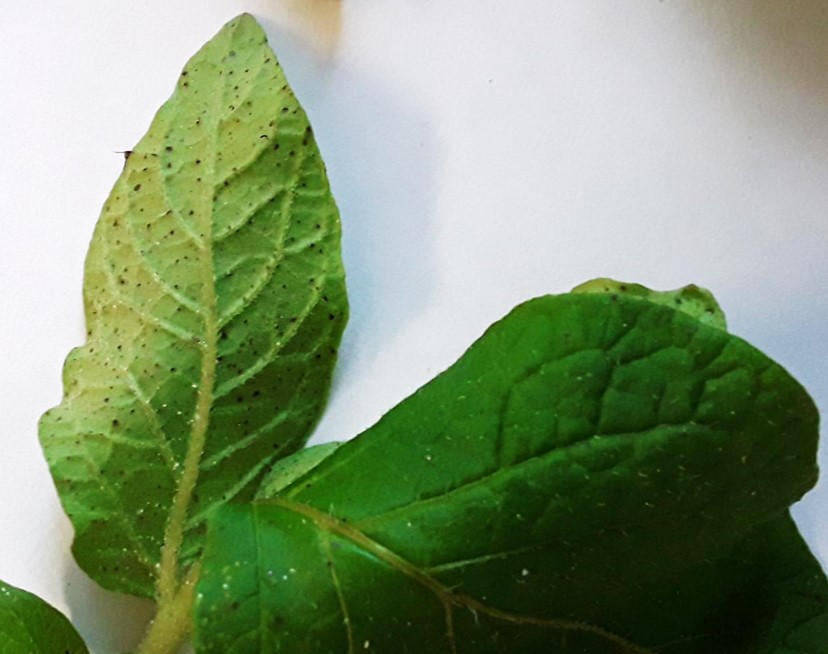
(173, 619)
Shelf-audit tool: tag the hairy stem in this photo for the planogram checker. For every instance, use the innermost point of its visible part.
(174, 595)
(174, 534)
(171, 625)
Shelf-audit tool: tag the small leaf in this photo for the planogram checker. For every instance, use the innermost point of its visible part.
(215, 301)
(692, 300)
(28, 625)
(287, 470)
(546, 493)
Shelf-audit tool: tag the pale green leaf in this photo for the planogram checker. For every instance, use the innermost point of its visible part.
(692, 300)
(289, 469)
(215, 301)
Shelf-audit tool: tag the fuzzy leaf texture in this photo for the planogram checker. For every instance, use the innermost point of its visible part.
(598, 473)
(28, 625)
(215, 301)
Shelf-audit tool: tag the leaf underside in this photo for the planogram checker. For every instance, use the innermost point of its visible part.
(28, 625)
(598, 473)
(215, 301)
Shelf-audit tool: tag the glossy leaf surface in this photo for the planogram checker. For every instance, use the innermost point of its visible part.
(587, 457)
(28, 625)
(215, 301)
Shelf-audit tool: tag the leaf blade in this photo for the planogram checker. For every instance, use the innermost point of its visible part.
(646, 361)
(28, 624)
(215, 301)
(518, 488)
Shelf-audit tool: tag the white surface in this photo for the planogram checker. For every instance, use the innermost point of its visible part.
(481, 152)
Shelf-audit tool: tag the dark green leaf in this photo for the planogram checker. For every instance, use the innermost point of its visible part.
(215, 302)
(769, 596)
(28, 625)
(546, 493)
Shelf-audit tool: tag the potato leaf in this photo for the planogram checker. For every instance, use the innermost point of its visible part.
(215, 300)
(771, 596)
(692, 300)
(287, 470)
(28, 625)
(555, 490)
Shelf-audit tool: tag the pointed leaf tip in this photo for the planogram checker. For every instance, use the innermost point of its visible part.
(215, 301)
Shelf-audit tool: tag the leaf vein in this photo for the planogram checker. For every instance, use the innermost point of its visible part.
(325, 542)
(328, 523)
(228, 386)
(144, 261)
(148, 318)
(152, 416)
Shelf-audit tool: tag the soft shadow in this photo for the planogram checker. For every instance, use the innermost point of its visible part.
(108, 622)
(785, 44)
(380, 150)
(786, 40)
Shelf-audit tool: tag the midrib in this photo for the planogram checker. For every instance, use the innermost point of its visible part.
(168, 578)
(169, 583)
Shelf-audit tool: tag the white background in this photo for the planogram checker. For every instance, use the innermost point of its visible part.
(481, 152)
